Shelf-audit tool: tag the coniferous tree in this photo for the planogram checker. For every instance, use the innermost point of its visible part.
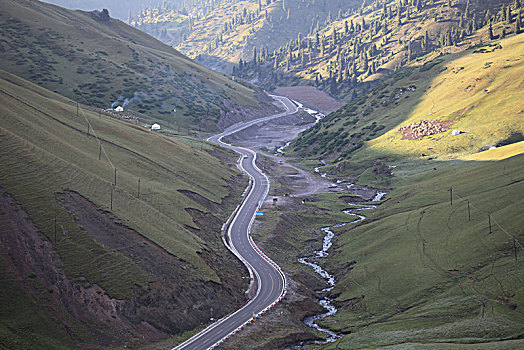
(517, 25)
(508, 15)
(365, 64)
(487, 17)
(490, 31)
(333, 85)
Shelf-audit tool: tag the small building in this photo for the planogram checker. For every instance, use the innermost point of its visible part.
(155, 127)
(119, 109)
(455, 132)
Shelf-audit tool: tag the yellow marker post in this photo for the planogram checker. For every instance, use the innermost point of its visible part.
(254, 316)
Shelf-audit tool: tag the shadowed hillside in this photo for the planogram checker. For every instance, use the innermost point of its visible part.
(99, 61)
(107, 239)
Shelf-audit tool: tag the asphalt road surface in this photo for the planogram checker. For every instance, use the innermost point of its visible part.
(270, 280)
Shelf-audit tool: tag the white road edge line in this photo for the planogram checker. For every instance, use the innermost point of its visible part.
(232, 248)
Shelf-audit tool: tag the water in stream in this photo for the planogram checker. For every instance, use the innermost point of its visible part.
(326, 302)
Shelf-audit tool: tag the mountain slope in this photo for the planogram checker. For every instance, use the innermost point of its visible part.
(422, 272)
(348, 54)
(99, 61)
(474, 92)
(221, 33)
(97, 263)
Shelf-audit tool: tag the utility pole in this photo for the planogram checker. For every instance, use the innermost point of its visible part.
(469, 213)
(451, 195)
(77, 105)
(115, 177)
(489, 220)
(138, 191)
(99, 151)
(111, 206)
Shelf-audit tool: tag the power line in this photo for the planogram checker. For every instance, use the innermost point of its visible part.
(490, 217)
(96, 137)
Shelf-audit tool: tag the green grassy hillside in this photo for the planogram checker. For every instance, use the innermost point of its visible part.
(51, 168)
(97, 60)
(474, 92)
(426, 275)
(418, 273)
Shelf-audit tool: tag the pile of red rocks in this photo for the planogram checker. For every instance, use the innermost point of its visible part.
(423, 128)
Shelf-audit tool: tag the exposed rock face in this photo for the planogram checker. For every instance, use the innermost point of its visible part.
(101, 16)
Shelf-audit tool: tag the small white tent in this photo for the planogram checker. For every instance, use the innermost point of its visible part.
(119, 109)
(155, 127)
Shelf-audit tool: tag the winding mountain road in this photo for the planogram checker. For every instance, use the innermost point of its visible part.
(271, 284)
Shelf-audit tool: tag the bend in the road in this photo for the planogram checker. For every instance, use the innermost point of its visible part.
(271, 281)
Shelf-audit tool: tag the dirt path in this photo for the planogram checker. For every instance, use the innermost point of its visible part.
(305, 183)
(311, 97)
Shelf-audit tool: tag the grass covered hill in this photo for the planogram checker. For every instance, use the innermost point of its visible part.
(478, 92)
(87, 263)
(422, 272)
(99, 61)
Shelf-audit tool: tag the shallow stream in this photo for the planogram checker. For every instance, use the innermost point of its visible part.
(327, 302)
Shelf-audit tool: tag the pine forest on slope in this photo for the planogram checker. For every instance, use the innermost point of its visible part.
(340, 48)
